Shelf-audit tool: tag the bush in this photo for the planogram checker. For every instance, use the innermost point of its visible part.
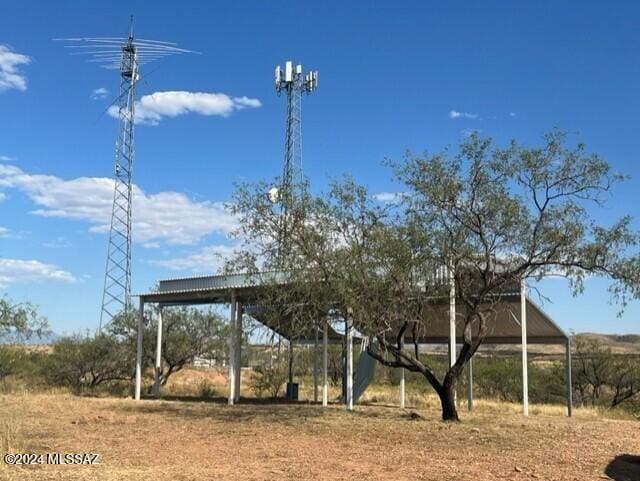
(499, 378)
(547, 384)
(268, 380)
(206, 390)
(81, 363)
(11, 359)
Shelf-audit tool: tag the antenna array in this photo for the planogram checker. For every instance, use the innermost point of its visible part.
(293, 82)
(127, 54)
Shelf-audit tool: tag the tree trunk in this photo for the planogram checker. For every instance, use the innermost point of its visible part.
(448, 401)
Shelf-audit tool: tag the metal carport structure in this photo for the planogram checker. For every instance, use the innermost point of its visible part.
(518, 320)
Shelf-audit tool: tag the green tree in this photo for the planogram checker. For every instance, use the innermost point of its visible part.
(624, 381)
(187, 333)
(592, 365)
(85, 362)
(11, 358)
(20, 321)
(601, 377)
(488, 216)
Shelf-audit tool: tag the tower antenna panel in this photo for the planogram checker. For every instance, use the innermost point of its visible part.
(291, 191)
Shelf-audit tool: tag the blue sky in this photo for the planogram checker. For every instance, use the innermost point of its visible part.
(391, 73)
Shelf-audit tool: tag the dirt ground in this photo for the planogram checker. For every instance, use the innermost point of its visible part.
(181, 440)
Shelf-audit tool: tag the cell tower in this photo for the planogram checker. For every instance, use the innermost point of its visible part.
(127, 54)
(292, 81)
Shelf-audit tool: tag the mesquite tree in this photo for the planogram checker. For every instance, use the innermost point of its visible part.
(187, 333)
(20, 321)
(495, 216)
(483, 219)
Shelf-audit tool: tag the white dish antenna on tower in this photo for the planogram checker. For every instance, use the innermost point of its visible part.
(274, 195)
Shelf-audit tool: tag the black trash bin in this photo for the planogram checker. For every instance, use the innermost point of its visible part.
(292, 391)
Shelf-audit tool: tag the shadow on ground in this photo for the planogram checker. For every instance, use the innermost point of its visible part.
(250, 409)
(625, 467)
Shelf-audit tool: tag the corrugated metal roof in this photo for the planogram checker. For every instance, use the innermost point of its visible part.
(504, 326)
(221, 282)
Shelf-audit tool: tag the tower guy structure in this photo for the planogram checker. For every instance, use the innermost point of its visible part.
(293, 83)
(128, 55)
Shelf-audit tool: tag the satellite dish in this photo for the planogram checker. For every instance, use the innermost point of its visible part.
(274, 194)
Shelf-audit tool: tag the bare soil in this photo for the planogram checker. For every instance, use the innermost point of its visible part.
(193, 440)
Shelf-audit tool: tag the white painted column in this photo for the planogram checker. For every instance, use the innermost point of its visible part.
(568, 379)
(315, 364)
(470, 384)
(325, 364)
(139, 350)
(452, 322)
(158, 365)
(238, 351)
(349, 333)
(232, 349)
(402, 388)
(525, 367)
(452, 319)
(402, 381)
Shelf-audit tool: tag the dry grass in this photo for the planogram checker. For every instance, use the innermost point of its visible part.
(193, 440)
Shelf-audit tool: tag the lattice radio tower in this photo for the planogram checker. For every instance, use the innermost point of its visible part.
(293, 82)
(127, 54)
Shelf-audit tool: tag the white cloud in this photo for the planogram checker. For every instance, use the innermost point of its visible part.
(454, 114)
(99, 93)
(6, 158)
(150, 109)
(208, 259)
(3, 196)
(6, 233)
(18, 271)
(164, 217)
(57, 243)
(512, 114)
(388, 197)
(10, 75)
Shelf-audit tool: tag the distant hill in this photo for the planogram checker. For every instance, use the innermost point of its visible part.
(621, 343)
(618, 343)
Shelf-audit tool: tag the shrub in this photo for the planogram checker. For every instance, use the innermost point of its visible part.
(499, 378)
(268, 380)
(81, 363)
(11, 359)
(206, 390)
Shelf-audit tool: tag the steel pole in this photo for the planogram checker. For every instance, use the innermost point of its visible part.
(568, 379)
(325, 363)
(525, 365)
(139, 350)
(232, 349)
(158, 366)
